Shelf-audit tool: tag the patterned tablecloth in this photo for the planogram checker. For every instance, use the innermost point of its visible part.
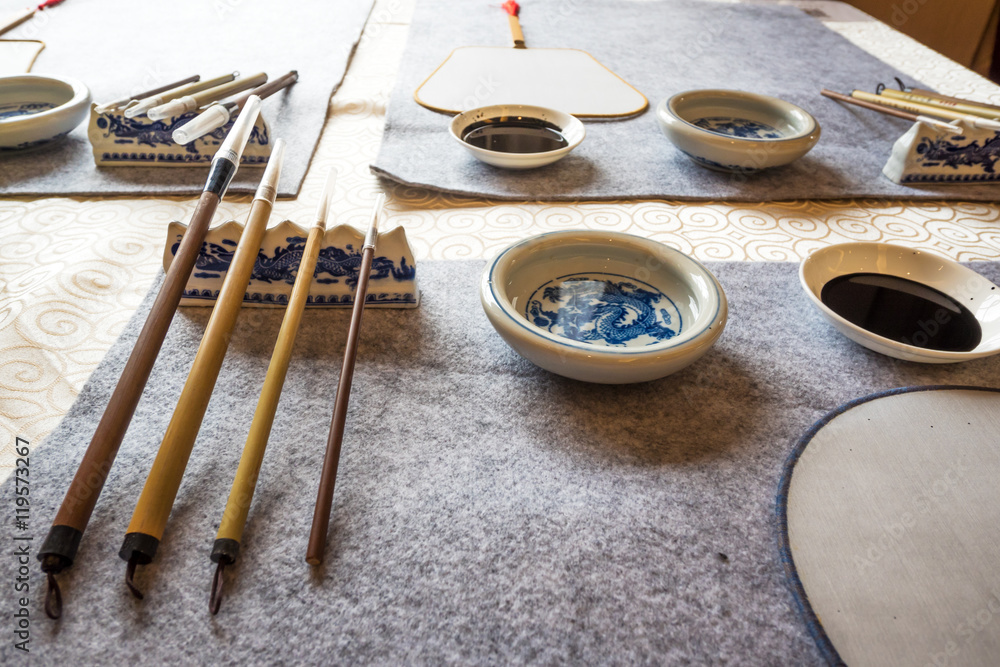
(73, 270)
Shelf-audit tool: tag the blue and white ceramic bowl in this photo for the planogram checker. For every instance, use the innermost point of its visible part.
(735, 131)
(603, 307)
(36, 109)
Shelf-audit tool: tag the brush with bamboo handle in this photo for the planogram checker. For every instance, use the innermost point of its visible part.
(227, 541)
(926, 110)
(890, 111)
(970, 108)
(59, 548)
(151, 512)
(949, 98)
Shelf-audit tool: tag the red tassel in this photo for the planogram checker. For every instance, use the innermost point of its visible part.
(512, 7)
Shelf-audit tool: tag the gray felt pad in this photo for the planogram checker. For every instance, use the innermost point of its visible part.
(124, 49)
(486, 511)
(661, 48)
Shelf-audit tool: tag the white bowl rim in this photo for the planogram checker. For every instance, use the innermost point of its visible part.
(719, 299)
(80, 94)
(572, 122)
(913, 351)
(667, 105)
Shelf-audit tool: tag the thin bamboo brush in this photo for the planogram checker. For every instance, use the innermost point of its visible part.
(128, 99)
(153, 508)
(227, 542)
(60, 546)
(328, 478)
(949, 98)
(926, 110)
(889, 111)
(970, 108)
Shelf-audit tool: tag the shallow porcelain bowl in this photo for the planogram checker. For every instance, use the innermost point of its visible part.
(735, 131)
(962, 284)
(603, 306)
(37, 109)
(569, 126)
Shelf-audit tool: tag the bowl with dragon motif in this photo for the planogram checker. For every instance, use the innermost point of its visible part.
(603, 307)
(35, 109)
(736, 131)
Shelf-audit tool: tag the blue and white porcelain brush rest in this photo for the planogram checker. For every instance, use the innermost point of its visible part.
(927, 154)
(118, 141)
(393, 281)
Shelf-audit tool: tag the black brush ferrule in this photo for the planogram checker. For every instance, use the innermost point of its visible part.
(139, 547)
(59, 548)
(225, 551)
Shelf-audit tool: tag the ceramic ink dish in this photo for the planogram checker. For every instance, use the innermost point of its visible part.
(904, 303)
(603, 307)
(517, 136)
(735, 131)
(35, 110)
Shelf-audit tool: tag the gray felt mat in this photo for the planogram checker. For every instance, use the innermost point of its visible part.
(486, 512)
(116, 48)
(661, 48)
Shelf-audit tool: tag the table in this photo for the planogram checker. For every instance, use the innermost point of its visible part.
(73, 270)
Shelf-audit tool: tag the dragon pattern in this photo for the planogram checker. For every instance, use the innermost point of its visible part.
(945, 152)
(590, 310)
(334, 264)
(140, 131)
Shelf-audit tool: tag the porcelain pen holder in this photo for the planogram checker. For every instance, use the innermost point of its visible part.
(118, 141)
(927, 154)
(392, 283)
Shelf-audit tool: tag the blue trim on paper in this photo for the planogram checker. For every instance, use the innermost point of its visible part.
(826, 647)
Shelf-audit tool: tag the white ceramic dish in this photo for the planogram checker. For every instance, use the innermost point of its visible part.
(735, 131)
(37, 109)
(569, 126)
(962, 284)
(603, 307)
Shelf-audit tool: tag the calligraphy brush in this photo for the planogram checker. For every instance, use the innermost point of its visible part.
(185, 103)
(153, 508)
(949, 98)
(234, 518)
(147, 103)
(60, 547)
(889, 111)
(126, 99)
(916, 108)
(970, 108)
(217, 115)
(328, 477)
